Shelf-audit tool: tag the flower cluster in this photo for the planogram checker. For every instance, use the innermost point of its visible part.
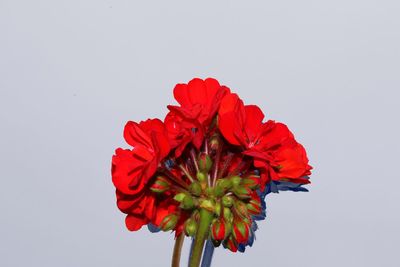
(212, 156)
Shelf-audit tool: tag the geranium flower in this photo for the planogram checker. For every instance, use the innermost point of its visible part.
(206, 171)
(199, 101)
(271, 144)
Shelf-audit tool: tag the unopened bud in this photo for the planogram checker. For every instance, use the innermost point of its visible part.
(242, 192)
(241, 209)
(180, 197)
(231, 244)
(218, 231)
(236, 180)
(228, 216)
(250, 182)
(190, 227)
(195, 189)
(169, 222)
(214, 143)
(187, 203)
(254, 207)
(227, 201)
(201, 177)
(205, 163)
(241, 231)
(160, 185)
(222, 185)
(218, 208)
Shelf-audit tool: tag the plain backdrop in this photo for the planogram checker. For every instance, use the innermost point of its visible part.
(73, 72)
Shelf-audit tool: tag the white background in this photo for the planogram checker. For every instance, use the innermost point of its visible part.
(73, 72)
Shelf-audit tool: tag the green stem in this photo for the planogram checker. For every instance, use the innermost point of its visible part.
(176, 257)
(201, 236)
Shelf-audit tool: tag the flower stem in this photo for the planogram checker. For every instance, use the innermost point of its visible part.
(176, 256)
(186, 172)
(201, 236)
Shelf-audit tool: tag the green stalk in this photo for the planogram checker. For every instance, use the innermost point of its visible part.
(201, 236)
(176, 258)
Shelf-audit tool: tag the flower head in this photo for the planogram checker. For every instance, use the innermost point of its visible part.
(213, 160)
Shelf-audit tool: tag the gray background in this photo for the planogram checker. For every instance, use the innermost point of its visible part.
(73, 72)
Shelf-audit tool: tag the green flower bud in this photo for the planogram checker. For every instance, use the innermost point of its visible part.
(227, 201)
(190, 227)
(221, 186)
(236, 180)
(209, 191)
(160, 185)
(250, 183)
(242, 192)
(195, 189)
(228, 216)
(187, 203)
(254, 207)
(169, 222)
(180, 197)
(201, 177)
(241, 209)
(218, 208)
(205, 163)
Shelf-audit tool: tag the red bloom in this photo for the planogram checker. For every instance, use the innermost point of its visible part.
(209, 162)
(240, 124)
(199, 101)
(144, 208)
(271, 144)
(285, 162)
(132, 170)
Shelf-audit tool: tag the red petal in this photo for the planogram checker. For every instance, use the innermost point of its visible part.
(253, 124)
(134, 223)
(181, 94)
(135, 136)
(231, 119)
(197, 91)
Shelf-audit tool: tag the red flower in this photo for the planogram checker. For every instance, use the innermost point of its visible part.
(204, 170)
(199, 101)
(132, 170)
(271, 144)
(285, 162)
(240, 124)
(144, 208)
